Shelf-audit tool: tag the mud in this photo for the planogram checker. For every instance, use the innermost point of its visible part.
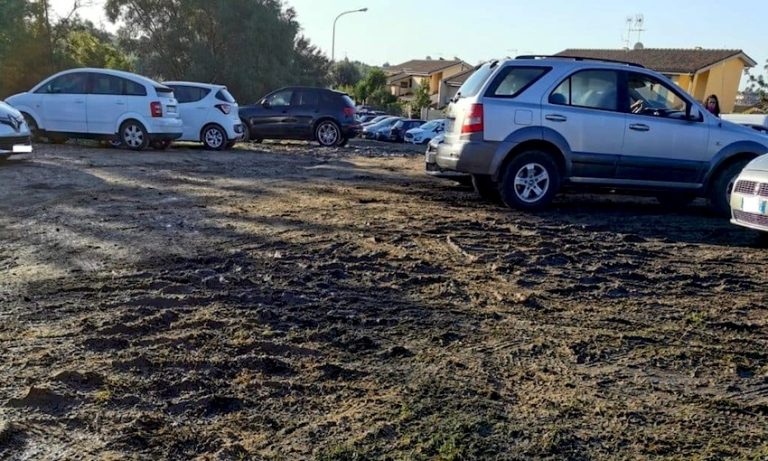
(284, 302)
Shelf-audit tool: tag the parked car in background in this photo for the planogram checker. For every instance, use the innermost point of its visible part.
(101, 104)
(210, 114)
(426, 132)
(749, 200)
(757, 122)
(302, 113)
(363, 119)
(379, 130)
(375, 120)
(15, 136)
(397, 132)
(525, 127)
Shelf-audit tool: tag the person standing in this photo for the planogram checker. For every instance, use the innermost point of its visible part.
(713, 105)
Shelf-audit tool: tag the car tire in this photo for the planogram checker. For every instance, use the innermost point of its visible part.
(230, 145)
(344, 141)
(720, 190)
(530, 181)
(34, 130)
(486, 188)
(214, 137)
(133, 135)
(246, 136)
(675, 201)
(328, 133)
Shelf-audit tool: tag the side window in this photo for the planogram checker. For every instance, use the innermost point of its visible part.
(76, 83)
(280, 99)
(106, 84)
(594, 89)
(306, 98)
(134, 89)
(649, 96)
(513, 80)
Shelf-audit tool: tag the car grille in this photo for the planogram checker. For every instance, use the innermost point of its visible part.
(751, 218)
(751, 188)
(8, 143)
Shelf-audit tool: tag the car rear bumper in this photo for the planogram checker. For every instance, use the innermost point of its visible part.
(350, 131)
(466, 156)
(162, 127)
(433, 169)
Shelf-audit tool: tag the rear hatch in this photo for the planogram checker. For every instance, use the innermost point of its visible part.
(459, 112)
(227, 104)
(167, 101)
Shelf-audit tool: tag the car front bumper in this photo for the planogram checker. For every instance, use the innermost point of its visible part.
(10, 145)
(749, 200)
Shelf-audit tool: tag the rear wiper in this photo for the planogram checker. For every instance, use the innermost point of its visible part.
(456, 98)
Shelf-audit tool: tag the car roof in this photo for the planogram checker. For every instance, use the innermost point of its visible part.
(209, 86)
(116, 73)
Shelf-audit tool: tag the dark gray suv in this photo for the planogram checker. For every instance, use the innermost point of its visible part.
(525, 127)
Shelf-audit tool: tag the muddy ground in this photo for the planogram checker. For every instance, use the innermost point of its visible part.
(283, 302)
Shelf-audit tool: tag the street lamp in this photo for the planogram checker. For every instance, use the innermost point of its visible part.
(333, 46)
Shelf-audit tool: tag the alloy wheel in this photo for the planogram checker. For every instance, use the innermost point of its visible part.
(531, 182)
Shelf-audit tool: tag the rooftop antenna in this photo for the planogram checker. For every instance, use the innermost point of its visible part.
(634, 23)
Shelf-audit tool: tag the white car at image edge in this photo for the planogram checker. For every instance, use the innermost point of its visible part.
(101, 104)
(15, 137)
(749, 198)
(210, 114)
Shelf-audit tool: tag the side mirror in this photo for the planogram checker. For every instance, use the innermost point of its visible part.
(693, 114)
(265, 104)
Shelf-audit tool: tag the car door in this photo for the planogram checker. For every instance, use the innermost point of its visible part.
(584, 110)
(64, 103)
(305, 108)
(270, 117)
(105, 103)
(660, 143)
(193, 109)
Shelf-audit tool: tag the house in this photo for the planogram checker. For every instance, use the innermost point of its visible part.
(404, 79)
(700, 72)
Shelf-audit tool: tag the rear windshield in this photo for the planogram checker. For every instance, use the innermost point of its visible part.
(348, 101)
(473, 84)
(224, 95)
(164, 91)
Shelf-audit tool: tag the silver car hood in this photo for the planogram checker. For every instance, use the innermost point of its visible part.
(6, 109)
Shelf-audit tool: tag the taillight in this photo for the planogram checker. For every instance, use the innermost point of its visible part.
(473, 121)
(349, 111)
(225, 108)
(156, 109)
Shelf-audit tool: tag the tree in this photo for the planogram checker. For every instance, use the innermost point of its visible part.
(759, 85)
(345, 73)
(252, 46)
(422, 97)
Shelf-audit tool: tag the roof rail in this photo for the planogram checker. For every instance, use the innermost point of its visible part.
(579, 58)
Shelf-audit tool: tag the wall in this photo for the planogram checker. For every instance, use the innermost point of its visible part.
(724, 81)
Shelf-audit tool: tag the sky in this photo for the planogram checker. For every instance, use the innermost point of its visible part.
(396, 31)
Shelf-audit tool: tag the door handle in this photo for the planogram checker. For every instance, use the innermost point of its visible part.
(79, 101)
(556, 118)
(120, 103)
(639, 127)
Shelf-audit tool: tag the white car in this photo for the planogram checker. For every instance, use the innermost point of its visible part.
(15, 137)
(210, 114)
(101, 104)
(749, 199)
(425, 133)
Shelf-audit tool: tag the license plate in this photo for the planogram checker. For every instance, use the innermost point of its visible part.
(753, 205)
(21, 148)
(171, 109)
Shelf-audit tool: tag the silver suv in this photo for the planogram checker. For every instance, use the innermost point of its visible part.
(525, 127)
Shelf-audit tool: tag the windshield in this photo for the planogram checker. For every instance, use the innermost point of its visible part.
(473, 84)
(429, 126)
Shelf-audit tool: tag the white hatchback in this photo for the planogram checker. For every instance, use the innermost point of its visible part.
(209, 113)
(426, 132)
(102, 104)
